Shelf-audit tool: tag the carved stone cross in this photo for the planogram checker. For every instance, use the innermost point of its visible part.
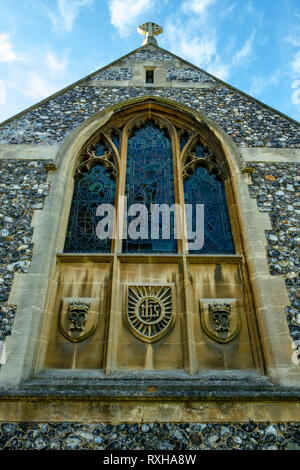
(150, 30)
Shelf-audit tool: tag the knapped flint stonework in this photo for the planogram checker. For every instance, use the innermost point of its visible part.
(149, 53)
(248, 123)
(23, 188)
(114, 73)
(187, 74)
(276, 188)
(152, 436)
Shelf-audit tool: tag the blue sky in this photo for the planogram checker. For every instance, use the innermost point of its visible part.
(46, 45)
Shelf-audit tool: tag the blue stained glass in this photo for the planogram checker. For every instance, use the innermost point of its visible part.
(93, 189)
(100, 150)
(149, 180)
(115, 140)
(183, 141)
(199, 151)
(202, 188)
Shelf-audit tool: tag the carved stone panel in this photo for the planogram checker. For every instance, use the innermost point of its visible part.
(150, 311)
(220, 319)
(78, 318)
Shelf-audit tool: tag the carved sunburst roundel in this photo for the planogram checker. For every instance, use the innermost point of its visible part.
(149, 312)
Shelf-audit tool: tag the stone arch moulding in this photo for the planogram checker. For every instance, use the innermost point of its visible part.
(24, 347)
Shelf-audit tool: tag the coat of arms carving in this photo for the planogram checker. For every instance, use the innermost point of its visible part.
(220, 319)
(78, 318)
(150, 311)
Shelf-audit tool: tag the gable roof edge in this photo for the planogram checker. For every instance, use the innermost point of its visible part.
(67, 88)
(78, 82)
(230, 86)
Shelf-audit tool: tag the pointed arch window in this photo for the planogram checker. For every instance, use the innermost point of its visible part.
(148, 154)
(94, 184)
(203, 179)
(149, 160)
(150, 181)
(202, 188)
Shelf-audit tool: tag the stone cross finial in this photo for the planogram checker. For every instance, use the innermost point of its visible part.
(150, 30)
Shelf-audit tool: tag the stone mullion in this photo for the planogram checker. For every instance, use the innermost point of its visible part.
(179, 195)
(110, 352)
(120, 193)
(189, 345)
(115, 288)
(189, 351)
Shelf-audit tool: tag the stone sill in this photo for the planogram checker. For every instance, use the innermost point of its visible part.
(89, 385)
(146, 258)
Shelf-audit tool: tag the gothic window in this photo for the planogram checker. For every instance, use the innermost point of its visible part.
(149, 180)
(90, 189)
(148, 146)
(94, 184)
(201, 187)
(150, 301)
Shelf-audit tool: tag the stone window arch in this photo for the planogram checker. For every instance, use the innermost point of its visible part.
(156, 171)
(108, 313)
(165, 306)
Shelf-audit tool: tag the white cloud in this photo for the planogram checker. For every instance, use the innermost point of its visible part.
(260, 83)
(67, 12)
(37, 87)
(231, 8)
(219, 69)
(34, 84)
(296, 64)
(7, 53)
(296, 94)
(2, 92)
(197, 39)
(54, 64)
(197, 6)
(293, 40)
(124, 13)
(244, 53)
(200, 50)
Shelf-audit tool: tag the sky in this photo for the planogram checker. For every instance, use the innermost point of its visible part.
(46, 45)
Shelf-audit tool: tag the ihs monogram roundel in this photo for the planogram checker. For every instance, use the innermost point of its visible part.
(149, 312)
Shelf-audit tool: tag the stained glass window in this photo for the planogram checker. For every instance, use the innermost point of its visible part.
(183, 140)
(100, 149)
(149, 180)
(202, 188)
(92, 189)
(199, 151)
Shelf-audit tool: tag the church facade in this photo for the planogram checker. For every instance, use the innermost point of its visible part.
(149, 285)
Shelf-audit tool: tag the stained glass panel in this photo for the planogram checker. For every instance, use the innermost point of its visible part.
(199, 151)
(100, 149)
(202, 188)
(93, 189)
(183, 141)
(149, 180)
(115, 140)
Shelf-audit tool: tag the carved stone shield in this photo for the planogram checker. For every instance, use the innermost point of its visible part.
(78, 318)
(150, 311)
(220, 319)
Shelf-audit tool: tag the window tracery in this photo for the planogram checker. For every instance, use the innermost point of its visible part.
(136, 157)
(153, 155)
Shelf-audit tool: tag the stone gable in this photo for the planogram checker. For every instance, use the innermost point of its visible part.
(248, 122)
